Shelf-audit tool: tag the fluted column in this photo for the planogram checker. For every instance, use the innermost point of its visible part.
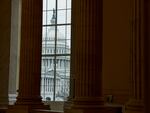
(30, 57)
(136, 103)
(87, 39)
(86, 58)
(30, 52)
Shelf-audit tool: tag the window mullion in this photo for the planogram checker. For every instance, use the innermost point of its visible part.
(55, 52)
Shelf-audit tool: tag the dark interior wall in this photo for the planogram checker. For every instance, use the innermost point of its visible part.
(116, 47)
(147, 54)
(14, 45)
(116, 51)
(5, 23)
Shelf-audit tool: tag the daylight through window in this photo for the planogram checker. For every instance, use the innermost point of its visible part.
(55, 70)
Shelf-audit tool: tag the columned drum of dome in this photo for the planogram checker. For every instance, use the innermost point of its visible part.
(55, 68)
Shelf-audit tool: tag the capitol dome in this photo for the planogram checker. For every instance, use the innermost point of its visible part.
(54, 38)
(51, 33)
(55, 62)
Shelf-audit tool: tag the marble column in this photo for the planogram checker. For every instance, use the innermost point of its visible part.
(136, 103)
(30, 58)
(86, 58)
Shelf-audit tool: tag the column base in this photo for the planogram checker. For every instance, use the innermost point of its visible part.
(68, 104)
(134, 106)
(91, 105)
(3, 108)
(102, 109)
(25, 108)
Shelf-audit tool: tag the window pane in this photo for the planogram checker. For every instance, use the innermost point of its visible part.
(51, 4)
(61, 16)
(68, 16)
(62, 4)
(64, 32)
(61, 32)
(44, 4)
(44, 17)
(50, 19)
(68, 3)
(69, 32)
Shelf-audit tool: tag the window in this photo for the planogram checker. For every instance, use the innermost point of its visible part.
(55, 71)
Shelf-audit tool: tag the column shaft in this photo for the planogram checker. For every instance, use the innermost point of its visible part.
(86, 58)
(30, 52)
(87, 41)
(135, 104)
(30, 58)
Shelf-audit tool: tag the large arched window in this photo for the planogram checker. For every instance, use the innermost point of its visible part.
(55, 70)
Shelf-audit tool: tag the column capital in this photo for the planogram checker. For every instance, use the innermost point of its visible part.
(134, 106)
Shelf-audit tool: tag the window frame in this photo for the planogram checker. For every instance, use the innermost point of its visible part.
(55, 54)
